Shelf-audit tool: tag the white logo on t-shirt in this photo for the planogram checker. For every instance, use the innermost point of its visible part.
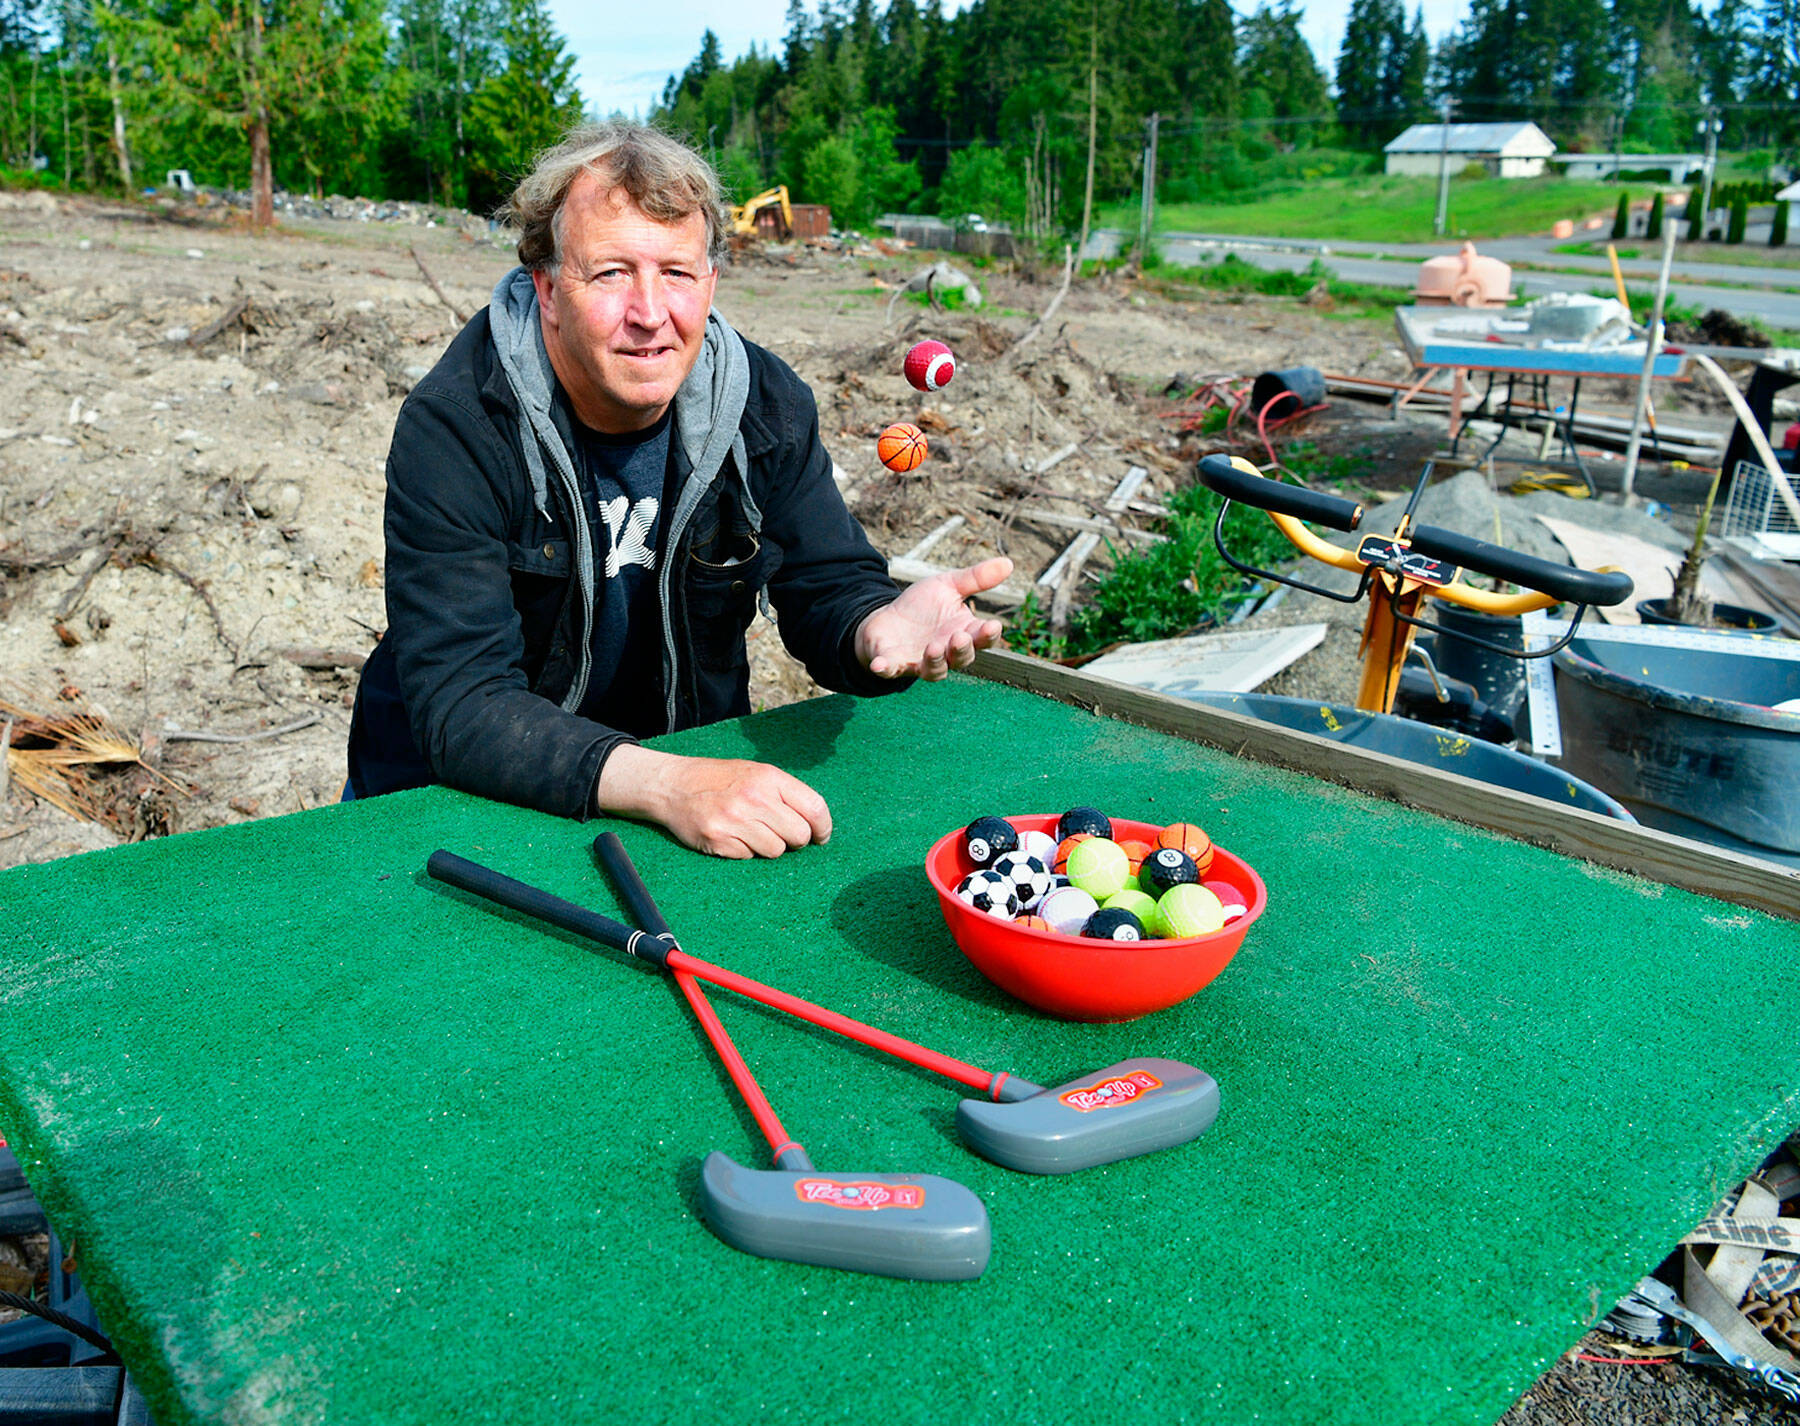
(628, 528)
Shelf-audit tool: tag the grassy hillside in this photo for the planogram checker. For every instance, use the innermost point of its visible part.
(1384, 208)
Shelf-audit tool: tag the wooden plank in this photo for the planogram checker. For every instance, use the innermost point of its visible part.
(1226, 660)
(926, 545)
(1639, 850)
(1063, 571)
(1084, 522)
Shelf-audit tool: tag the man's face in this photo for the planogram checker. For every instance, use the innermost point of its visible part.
(624, 315)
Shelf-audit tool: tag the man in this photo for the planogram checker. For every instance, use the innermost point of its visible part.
(587, 499)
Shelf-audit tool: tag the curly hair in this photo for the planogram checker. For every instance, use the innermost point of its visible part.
(662, 175)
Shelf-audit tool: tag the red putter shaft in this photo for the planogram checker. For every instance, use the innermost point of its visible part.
(759, 1106)
(962, 1073)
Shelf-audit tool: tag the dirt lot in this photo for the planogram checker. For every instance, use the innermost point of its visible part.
(193, 426)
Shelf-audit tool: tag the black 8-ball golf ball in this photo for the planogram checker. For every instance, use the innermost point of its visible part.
(1114, 923)
(1083, 819)
(1167, 867)
(987, 838)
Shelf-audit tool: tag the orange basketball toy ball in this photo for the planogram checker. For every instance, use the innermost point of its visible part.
(1135, 852)
(1186, 837)
(1068, 844)
(901, 447)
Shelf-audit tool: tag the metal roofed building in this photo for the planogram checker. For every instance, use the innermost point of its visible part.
(1512, 150)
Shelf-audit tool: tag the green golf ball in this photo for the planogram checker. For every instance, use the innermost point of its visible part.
(1187, 910)
(1099, 867)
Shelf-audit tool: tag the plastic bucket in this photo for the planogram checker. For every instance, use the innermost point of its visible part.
(1499, 680)
(1420, 743)
(1307, 383)
(1687, 737)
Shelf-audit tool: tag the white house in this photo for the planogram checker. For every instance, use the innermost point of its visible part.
(1791, 196)
(1512, 150)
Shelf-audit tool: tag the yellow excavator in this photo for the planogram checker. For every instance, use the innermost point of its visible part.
(743, 215)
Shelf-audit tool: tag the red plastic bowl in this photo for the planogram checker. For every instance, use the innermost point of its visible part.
(1075, 977)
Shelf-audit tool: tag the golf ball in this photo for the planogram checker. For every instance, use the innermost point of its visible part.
(1138, 903)
(1040, 845)
(989, 892)
(1060, 864)
(1030, 878)
(1084, 819)
(1034, 923)
(1186, 837)
(1067, 909)
(986, 838)
(1135, 852)
(929, 365)
(1113, 923)
(1230, 898)
(1099, 867)
(1188, 910)
(1166, 868)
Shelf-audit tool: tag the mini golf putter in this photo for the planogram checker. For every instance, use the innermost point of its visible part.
(1134, 1107)
(916, 1226)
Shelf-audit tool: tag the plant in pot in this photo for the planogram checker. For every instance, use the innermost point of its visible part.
(1690, 604)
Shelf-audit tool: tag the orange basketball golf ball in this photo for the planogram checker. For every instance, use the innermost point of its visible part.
(1186, 837)
(901, 447)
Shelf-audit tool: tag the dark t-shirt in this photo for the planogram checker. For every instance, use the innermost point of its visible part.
(622, 483)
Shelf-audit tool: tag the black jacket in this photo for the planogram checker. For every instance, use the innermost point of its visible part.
(483, 625)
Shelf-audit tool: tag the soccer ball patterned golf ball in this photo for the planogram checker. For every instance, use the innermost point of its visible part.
(989, 892)
(1031, 879)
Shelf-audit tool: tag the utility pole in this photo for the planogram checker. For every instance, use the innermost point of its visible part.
(1147, 219)
(1709, 126)
(1443, 207)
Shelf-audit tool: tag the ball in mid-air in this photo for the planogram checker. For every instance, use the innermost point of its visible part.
(1099, 867)
(901, 447)
(1114, 923)
(1083, 819)
(930, 365)
(1188, 910)
(1165, 868)
(987, 838)
(1186, 837)
(989, 892)
(1067, 909)
(1031, 879)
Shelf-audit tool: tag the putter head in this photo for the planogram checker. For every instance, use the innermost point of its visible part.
(914, 1226)
(1119, 1112)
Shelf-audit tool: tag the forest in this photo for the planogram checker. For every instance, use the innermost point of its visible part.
(1021, 110)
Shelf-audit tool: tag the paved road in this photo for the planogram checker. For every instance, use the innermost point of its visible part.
(1397, 265)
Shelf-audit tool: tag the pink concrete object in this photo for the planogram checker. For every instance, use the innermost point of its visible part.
(1466, 280)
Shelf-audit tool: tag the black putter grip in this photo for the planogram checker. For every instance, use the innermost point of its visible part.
(1575, 586)
(1219, 475)
(494, 886)
(617, 863)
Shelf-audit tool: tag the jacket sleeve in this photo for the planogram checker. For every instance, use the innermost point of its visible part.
(459, 645)
(831, 577)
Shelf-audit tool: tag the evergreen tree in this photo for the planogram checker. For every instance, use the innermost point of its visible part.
(527, 106)
(1653, 225)
(1622, 217)
(1778, 230)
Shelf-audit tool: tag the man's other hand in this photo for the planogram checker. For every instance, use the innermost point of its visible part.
(929, 630)
(726, 807)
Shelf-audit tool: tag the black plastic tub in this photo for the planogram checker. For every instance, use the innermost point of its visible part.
(1731, 618)
(1419, 743)
(1687, 737)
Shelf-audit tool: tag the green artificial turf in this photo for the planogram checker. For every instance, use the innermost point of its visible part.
(337, 1143)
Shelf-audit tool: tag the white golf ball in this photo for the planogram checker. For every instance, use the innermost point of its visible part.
(1040, 845)
(1067, 909)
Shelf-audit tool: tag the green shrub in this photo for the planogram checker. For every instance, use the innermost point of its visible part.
(1653, 227)
(1740, 215)
(1778, 230)
(1622, 217)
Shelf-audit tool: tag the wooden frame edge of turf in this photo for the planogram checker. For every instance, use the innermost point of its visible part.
(1642, 851)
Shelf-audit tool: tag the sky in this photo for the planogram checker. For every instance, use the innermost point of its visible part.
(626, 49)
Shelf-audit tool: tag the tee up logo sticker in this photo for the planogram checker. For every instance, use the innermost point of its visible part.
(867, 1196)
(1111, 1093)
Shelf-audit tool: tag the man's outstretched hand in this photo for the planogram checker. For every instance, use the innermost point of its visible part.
(727, 807)
(929, 630)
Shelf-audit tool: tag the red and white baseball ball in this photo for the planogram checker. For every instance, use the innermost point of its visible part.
(930, 365)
